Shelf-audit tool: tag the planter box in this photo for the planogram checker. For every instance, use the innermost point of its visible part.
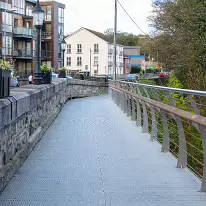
(46, 78)
(62, 74)
(5, 83)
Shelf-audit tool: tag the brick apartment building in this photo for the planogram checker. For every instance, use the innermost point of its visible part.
(17, 35)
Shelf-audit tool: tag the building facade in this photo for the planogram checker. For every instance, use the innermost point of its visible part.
(92, 53)
(133, 52)
(53, 33)
(18, 36)
(127, 65)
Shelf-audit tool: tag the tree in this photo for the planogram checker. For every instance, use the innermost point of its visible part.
(123, 38)
(180, 40)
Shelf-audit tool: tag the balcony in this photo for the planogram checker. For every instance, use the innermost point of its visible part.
(46, 35)
(46, 54)
(121, 64)
(60, 55)
(121, 53)
(110, 64)
(23, 32)
(110, 51)
(23, 53)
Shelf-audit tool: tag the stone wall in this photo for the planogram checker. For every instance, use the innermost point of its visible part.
(26, 116)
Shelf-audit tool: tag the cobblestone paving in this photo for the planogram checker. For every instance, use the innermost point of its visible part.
(94, 155)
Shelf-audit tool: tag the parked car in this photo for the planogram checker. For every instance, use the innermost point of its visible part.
(69, 77)
(162, 74)
(132, 78)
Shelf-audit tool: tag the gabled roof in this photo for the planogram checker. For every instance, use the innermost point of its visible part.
(100, 35)
(96, 33)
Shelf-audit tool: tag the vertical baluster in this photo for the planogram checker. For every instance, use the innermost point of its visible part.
(154, 135)
(203, 132)
(145, 115)
(182, 156)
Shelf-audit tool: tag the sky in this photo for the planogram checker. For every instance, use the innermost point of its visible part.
(99, 15)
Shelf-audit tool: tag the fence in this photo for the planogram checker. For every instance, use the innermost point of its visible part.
(174, 117)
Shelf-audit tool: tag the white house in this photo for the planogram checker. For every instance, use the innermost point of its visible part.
(90, 51)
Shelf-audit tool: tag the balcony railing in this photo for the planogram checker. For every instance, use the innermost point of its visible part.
(23, 53)
(60, 55)
(23, 32)
(110, 63)
(110, 51)
(46, 54)
(121, 64)
(46, 35)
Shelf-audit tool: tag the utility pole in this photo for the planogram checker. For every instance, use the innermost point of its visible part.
(90, 64)
(115, 44)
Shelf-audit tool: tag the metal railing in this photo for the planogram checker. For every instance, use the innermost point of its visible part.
(110, 51)
(46, 54)
(46, 35)
(23, 32)
(110, 63)
(176, 118)
(23, 53)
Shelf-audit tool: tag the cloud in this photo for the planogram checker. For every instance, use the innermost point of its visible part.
(99, 15)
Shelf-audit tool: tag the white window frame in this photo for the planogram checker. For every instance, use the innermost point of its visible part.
(96, 48)
(96, 60)
(69, 61)
(79, 61)
(79, 48)
(69, 48)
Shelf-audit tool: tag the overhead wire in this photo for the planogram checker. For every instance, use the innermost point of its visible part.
(131, 18)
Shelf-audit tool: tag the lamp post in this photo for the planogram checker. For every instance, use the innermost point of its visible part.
(63, 45)
(90, 62)
(38, 18)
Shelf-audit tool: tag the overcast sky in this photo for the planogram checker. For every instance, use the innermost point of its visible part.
(99, 15)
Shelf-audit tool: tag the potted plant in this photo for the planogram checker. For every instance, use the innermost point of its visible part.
(5, 78)
(46, 74)
(62, 72)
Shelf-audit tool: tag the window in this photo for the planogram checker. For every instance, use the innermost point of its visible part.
(18, 5)
(7, 45)
(69, 61)
(69, 49)
(79, 61)
(96, 62)
(96, 48)
(79, 48)
(47, 12)
(61, 15)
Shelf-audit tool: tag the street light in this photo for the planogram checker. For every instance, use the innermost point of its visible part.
(63, 45)
(38, 19)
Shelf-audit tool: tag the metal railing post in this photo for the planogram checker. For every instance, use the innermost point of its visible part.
(139, 114)
(203, 132)
(182, 156)
(166, 136)
(154, 135)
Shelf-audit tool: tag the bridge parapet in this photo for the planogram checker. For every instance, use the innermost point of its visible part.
(28, 112)
(176, 118)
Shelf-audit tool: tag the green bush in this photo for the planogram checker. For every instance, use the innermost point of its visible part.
(46, 69)
(63, 69)
(135, 70)
(5, 65)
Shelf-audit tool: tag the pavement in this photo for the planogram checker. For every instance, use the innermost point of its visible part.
(94, 155)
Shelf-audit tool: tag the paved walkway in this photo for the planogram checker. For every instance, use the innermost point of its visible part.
(94, 155)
